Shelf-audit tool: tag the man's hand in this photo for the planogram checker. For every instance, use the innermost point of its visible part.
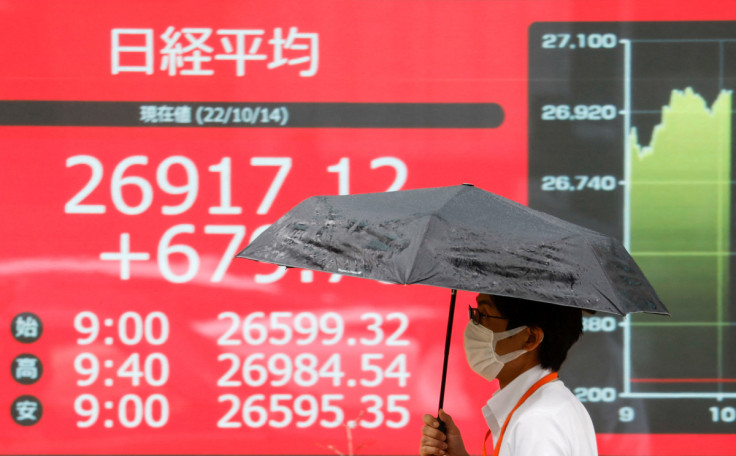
(434, 442)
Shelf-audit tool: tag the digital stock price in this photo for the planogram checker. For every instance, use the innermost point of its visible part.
(287, 369)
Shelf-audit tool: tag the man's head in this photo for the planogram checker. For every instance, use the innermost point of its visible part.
(561, 325)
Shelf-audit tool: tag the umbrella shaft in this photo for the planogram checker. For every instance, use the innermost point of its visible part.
(448, 337)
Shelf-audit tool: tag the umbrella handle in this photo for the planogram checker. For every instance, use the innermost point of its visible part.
(442, 427)
(448, 338)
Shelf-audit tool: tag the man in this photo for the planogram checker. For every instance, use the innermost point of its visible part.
(522, 344)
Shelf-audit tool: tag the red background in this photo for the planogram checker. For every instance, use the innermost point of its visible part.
(370, 51)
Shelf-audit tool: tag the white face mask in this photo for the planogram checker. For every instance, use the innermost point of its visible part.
(480, 349)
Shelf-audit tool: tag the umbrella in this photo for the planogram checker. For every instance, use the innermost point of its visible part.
(461, 238)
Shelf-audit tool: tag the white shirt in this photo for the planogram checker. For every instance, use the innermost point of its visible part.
(552, 421)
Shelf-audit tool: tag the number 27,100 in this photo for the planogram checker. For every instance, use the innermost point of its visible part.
(579, 41)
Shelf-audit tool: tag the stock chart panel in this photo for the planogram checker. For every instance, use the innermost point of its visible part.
(657, 174)
(144, 145)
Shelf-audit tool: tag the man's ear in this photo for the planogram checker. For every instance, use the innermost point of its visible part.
(534, 338)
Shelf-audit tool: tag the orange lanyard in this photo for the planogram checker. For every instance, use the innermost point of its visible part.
(542, 381)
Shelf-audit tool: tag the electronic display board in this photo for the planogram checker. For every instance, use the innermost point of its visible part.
(145, 143)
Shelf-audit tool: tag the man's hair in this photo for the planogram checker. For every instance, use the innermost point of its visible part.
(562, 326)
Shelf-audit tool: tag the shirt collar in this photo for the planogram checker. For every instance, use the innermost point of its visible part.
(504, 400)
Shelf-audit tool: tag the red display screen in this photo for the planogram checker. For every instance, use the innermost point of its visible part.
(145, 144)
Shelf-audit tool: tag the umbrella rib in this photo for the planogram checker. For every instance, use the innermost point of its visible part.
(608, 279)
(620, 312)
(430, 217)
(415, 254)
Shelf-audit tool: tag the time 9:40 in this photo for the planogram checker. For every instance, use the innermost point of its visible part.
(153, 369)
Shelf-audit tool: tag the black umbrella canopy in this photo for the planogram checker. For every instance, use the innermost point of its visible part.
(461, 238)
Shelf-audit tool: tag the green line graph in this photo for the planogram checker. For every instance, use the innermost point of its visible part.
(679, 210)
(687, 162)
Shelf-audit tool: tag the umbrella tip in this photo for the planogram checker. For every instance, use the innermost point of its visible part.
(469, 185)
